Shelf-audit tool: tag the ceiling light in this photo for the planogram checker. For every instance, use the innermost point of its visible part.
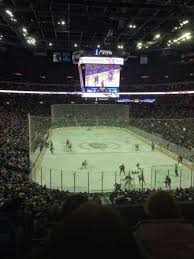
(120, 46)
(14, 20)
(185, 22)
(31, 41)
(75, 45)
(186, 35)
(62, 22)
(9, 13)
(132, 26)
(25, 32)
(139, 45)
(50, 44)
(157, 36)
(98, 46)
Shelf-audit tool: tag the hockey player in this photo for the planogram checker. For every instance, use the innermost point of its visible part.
(96, 80)
(67, 143)
(180, 159)
(46, 144)
(117, 187)
(168, 182)
(52, 149)
(84, 164)
(136, 147)
(122, 169)
(176, 170)
(141, 178)
(153, 146)
(128, 181)
(69, 147)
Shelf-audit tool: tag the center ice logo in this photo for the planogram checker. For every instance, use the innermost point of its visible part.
(98, 145)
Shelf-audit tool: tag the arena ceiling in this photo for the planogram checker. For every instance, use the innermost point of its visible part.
(76, 24)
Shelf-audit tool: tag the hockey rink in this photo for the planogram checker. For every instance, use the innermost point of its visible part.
(90, 79)
(104, 149)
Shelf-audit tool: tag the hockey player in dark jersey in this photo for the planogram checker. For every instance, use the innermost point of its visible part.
(122, 169)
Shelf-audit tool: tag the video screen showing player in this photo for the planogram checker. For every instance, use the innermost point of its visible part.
(102, 76)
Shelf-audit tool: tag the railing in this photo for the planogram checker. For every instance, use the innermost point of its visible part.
(72, 181)
(104, 181)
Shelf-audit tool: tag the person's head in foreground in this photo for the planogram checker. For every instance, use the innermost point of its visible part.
(90, 231)
(161, 205)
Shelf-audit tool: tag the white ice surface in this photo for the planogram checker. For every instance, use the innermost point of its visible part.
(105, 149)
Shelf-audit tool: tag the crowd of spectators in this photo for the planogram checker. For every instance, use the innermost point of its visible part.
(141, 195)
(51, 223)
(13, 141)
(174, 124)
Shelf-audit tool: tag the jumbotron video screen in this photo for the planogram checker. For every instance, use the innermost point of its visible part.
(101, 77)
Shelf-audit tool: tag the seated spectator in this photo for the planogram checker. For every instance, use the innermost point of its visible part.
(166, 235)
(91, 230)
(161, 205)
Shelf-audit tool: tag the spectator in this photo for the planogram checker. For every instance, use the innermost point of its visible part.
(90, 230)
(161, 205)
(165, 235)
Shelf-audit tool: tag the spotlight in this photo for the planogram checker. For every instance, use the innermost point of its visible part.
(139, 45)
(25, 32)
(62, 22)
(120, 46)
(31, 41)
(14, 20)
(50, 44)
(98, 46)
(185, 22)
(9, 13)
(157, 36)
(132, 26)
(75, 45)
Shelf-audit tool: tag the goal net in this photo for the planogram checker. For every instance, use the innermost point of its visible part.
(159, 173)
